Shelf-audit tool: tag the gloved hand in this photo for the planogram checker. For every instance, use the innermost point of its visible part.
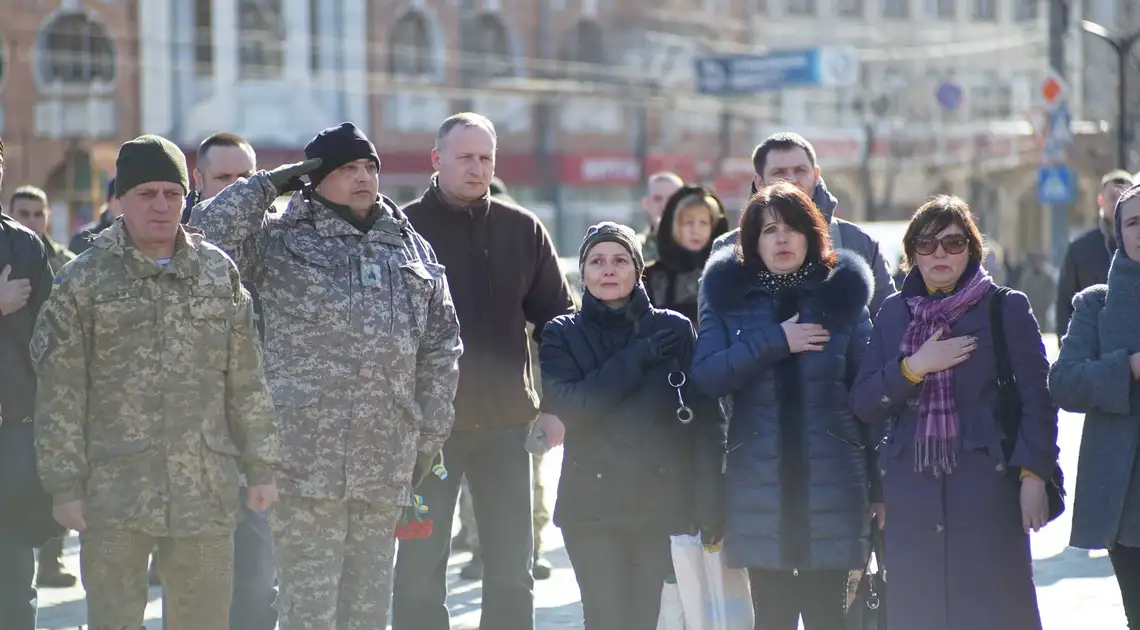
(287, 177)
(423, 467)
(660, 346)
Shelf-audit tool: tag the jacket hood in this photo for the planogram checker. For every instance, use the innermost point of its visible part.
(669, 251)
(844, 290)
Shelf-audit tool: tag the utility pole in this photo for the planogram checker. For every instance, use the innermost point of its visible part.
(1122, 46)
(1058, 25)
(546, 130)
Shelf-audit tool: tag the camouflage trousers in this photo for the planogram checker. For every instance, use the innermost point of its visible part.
(334, 563)
(196, 572)
(541, 512)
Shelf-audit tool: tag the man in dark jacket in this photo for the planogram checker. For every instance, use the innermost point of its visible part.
(107, 215)
(222, 159)
(25, 281)
(1089, 255)
(790, 157)
(504, 273)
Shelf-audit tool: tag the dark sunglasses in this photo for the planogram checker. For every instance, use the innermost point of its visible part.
(951, 244)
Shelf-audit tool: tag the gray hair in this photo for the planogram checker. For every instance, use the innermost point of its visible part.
(465, 119)
(665, 176)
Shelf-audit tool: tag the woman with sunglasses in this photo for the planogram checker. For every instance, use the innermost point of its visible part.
(784, 322)
(960, 512)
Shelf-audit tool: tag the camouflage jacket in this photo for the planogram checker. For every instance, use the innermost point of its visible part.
(58, 255)
(361, 339)
(151, 394)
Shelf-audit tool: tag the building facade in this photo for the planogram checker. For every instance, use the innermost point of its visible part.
(589, 96)
(68, 98)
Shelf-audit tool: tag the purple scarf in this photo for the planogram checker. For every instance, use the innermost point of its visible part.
(936, 438)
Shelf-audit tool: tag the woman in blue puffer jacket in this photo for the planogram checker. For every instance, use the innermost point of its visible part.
(783, 325)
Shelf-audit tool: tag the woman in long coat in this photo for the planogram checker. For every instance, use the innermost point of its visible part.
(784, 323)
(692, 220)
(959, 514)
(1097, 375)
(632, 472)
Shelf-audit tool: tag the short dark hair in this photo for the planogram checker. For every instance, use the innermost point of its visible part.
(31, 193)
(780, 142)
(790, 205)
(937, 214)
(1119, 176)
(224, 139)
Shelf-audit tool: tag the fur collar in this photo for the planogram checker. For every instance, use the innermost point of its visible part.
(844, 290)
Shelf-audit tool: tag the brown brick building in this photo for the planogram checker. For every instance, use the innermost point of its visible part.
(68, 98)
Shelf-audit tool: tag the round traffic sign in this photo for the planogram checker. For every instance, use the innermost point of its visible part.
(949, 95)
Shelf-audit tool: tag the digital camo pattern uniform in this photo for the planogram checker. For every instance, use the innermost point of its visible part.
(151, 401)
(362, 348)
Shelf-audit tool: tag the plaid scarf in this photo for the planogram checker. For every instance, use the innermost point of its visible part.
(936, 438)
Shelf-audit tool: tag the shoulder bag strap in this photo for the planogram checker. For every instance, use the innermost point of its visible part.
(1010, 419)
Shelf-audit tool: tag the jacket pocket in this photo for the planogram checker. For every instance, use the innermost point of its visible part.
(221, 471)
(124, 323)
(210, 318)
(125, 477)
(299, 427)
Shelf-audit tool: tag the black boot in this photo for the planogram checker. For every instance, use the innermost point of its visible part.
(472, 570)
(51, 573)
(542, 569)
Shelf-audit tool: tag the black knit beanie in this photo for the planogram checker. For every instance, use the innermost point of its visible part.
(337, 146)
(148, 159)
(616, 233)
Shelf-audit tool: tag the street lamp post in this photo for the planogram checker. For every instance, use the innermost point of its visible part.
(1123, 47)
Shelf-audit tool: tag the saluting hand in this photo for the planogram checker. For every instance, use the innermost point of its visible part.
(287, 178)
(804, 337)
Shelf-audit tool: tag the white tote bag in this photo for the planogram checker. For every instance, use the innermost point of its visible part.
(713, 597)
(672, 616)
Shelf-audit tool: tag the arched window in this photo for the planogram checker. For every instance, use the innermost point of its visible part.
(410, 52)
(486, 49)
(584, 52)
(75, 49)
(261, 39)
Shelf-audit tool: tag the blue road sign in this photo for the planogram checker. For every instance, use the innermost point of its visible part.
(1058, 141)
(748, 74)
(1055, 185)
(949, 95)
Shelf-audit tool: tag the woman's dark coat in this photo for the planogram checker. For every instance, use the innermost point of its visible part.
(798, 487)
(629, 463)
(673, 280)
(1093, 376)
(957, 557)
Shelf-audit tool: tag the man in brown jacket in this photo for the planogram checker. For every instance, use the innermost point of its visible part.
(504, 274)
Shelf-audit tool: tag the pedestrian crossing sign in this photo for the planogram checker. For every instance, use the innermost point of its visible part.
(1055, 185)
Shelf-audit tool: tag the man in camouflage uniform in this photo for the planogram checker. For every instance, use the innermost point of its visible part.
(30, 207)
(362, 348)
(151, 401)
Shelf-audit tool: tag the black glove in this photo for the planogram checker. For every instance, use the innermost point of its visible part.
(660, 346)
(287, 178)
(422, 469)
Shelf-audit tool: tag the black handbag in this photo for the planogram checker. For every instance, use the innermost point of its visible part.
(1009, 405)
(868, 610)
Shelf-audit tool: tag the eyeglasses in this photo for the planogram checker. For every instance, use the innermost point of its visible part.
(951, 244)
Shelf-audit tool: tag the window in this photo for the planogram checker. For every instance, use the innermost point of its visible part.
(261, 39)
(985, 10)
(204, 37)
(74, 49)
(411, 54)
(1025, 10)
(800, 7)
(896, 9)
(486, 49)
(942, 9)
(585, 53)
(849, 8)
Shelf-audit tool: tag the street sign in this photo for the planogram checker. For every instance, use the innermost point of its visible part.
(1054, 90)
(949, 95)
(1058, 141)
(749, 74)
(1055, 185)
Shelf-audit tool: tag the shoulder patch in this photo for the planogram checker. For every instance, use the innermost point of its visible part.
(41, 342)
